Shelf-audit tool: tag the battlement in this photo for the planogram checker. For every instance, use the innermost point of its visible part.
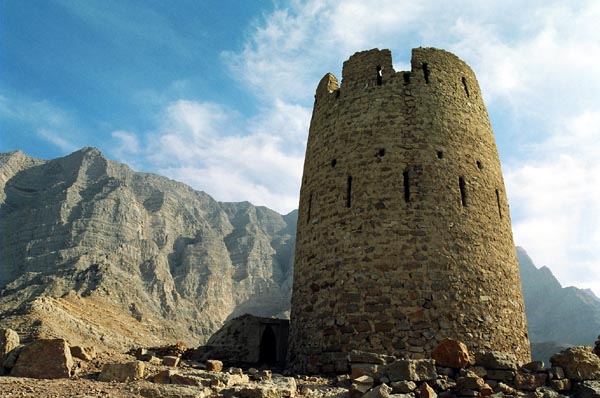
(372, 68)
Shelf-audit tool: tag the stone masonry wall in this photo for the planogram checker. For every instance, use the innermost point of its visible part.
(404, 235)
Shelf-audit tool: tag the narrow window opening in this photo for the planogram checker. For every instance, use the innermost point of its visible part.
(463, 191)
(379, 75)
(309, 208)
(426, 72)
(464, 82)
(406, 186)
(479, 165)
(381, 152)
(349, 192)
(440, 154)
(406, 77)
(498, 201)
(333, 162)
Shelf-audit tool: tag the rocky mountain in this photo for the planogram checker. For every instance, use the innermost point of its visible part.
(557, 316)
(89, 247)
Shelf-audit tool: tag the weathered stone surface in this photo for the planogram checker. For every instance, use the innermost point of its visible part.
(411, 369)
(361, 385)
(9, 340)
(470, 383)
(496, 360)
(530, 381)
(357, 356)
(83, 353)
(10, 359)
(556, 372)
(164, 376)
(426, 391)
(451, 353)
(122, 372)
(534, 367)
(190, 380)
(175, 391)
(579, 363)
(277, 387)
(587, 389)
(561, 384)
(359, 369)
(404, 386)
(171, 361)
(380, 391)
(501, 375)
(213, 365)
(44, 359)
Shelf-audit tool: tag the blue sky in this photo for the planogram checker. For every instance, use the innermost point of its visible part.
(218, 94)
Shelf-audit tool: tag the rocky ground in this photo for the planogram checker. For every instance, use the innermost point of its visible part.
(51, 368)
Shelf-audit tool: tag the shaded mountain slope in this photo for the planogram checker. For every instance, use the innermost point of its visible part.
(157, 252)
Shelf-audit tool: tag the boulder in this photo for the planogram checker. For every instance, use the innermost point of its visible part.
(496, 360)
(170, 361)
(122, 372)
(277, 387)
(451, 353)
(472, 382)
(579, 363)
(361, 385)
(501, 375)
(411, 369)
(561, 384)
(360, 369)
(84, 353)
(213, 365)
(44, 359)
(9, 340)
(534, 367)
(381, 391)
(164, 377)
(426, 392)
(404, 386)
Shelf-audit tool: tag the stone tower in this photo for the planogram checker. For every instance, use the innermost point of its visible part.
(404, 234)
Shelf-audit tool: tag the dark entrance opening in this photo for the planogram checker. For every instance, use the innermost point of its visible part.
(268, 347)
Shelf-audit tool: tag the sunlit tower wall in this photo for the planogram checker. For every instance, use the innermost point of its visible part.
(404, 235)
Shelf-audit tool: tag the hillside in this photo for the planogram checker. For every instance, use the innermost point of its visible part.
(129, 256)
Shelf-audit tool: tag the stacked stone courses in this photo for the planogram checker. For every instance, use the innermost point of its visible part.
(404, 234)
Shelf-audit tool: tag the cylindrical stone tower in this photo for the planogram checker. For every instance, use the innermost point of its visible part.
(404, 234)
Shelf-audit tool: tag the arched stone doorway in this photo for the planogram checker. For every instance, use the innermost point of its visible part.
(268, 347)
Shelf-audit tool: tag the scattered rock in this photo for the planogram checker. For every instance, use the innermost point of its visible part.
(501, 375)
(174, 391)
(213, 365)
(404, 386)
(369, 357)
(556, 372)
(122, 372)
(472, 382)
(361, 385)
(426, 392)
(579, 363)
(9, 340)
(411, 369)
(164, 377)
(451, 353)
(561, 384)
(84, 353)
(44, 359)
(381, 391)
(360, 369)
(534, 367)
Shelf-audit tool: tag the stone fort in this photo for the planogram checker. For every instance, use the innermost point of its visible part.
(404, 235)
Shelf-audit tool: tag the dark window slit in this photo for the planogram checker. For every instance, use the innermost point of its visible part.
(463, 191)
(406, 77)
(379, 75)
(406, 186)
(309, 208)
(499, 205)
(333, 162)
(440, 154)
(426, 72)
(349, 192)
(464, 82)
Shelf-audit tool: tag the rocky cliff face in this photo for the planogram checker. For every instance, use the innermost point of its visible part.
(169, 262)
